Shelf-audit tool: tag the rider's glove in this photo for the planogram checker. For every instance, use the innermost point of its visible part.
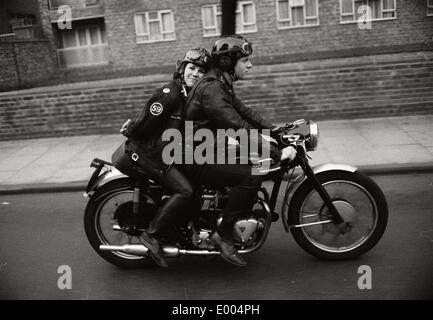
(288, 153)
(127, 128)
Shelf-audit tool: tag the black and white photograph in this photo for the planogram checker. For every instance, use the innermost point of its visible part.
(216, 156)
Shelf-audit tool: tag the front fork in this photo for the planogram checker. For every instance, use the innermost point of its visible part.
(303, 162)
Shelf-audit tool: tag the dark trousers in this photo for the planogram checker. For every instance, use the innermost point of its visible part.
(173, 180)
(244, 187)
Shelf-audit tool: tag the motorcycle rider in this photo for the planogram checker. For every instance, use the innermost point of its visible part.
(213, 105)
(164, 110)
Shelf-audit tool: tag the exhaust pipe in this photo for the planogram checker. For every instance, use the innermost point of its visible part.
(141, 250)
(135, 249)
(169, 251)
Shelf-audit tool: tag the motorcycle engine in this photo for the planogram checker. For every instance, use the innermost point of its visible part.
(244, 230)
(202, 239)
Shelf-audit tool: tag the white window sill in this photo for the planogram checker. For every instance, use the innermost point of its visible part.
(372, 20)
(299, 27)
(154, 41)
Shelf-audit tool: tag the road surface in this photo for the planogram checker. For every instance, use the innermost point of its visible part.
(42, 235)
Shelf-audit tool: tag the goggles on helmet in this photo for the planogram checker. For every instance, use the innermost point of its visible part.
(197, 56)
(247, 48)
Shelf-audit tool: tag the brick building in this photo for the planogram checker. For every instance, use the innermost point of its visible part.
(313, 58)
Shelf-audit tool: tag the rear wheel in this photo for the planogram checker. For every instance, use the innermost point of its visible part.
(361, 204)
(107, 220)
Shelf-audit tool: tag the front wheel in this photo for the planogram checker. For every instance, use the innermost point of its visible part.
(361, 204)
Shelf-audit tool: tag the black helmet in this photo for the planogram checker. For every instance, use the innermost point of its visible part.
(198, 56)
(228, 49)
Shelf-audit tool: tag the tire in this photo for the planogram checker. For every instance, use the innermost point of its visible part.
(359, 201)
(98, 221)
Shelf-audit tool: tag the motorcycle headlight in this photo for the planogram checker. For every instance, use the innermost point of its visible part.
(313, 140)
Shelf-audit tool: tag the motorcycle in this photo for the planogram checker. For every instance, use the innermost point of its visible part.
(333, 211)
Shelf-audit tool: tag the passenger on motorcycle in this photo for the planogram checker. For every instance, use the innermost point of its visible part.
(213, 105)
(164, 110)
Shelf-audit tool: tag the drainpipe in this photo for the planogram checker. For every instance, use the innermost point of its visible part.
(16, 64)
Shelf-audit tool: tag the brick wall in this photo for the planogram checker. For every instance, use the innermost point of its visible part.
(380, 85)
(47, 29)
(369, 86)
(8, 75)
(411, 31)
(23, 63)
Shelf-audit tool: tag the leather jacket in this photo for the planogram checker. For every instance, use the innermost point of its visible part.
(164, 110)
(212, 104)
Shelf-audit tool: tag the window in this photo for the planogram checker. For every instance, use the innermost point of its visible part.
(297, 13)
(211, 17)
(379, 9)
(154, 26)
(83, 46)
(83, 36)
(430, 7)
(245, 18)
(18, 19)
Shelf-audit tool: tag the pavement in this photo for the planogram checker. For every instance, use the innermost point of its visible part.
(374, 145)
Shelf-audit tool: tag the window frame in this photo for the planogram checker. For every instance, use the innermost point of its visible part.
(88, 37)
(429, 4)
(217, 15)
(25, 17)
(160, 13)
(370, 20)
(305, 25)
(88, 45)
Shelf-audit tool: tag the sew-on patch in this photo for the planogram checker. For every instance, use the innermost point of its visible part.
(156, 109)
(166, 90)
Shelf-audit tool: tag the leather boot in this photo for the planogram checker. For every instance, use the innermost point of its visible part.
(157, 226)
(155, 251)
(228, 250)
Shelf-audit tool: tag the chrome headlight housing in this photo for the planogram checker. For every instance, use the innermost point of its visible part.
(301, 130)
(312, 141)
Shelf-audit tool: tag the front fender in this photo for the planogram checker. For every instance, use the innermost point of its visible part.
(294, 185)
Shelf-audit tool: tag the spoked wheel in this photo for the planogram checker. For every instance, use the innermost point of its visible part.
(359, 201)
(108, 221)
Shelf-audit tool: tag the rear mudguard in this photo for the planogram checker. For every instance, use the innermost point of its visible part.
(106, 177)
(302, 179)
